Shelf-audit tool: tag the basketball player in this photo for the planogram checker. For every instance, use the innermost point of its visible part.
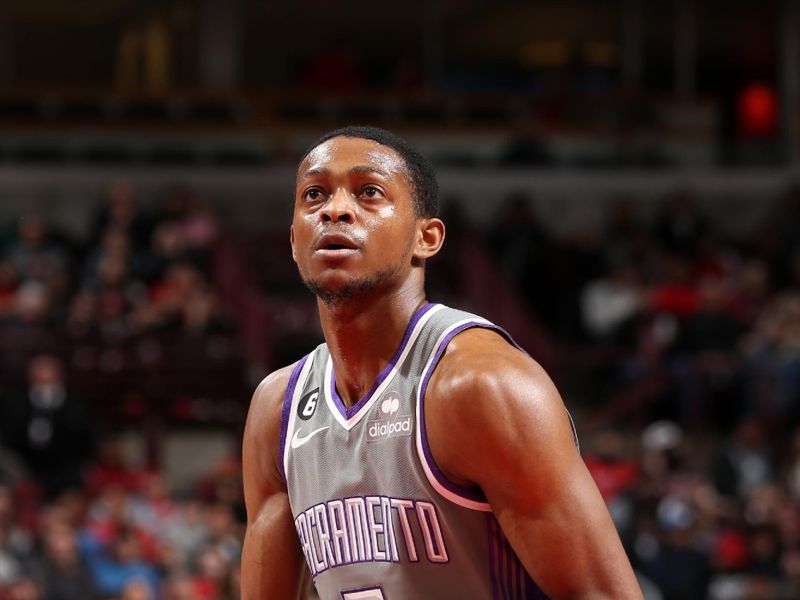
(417, 453)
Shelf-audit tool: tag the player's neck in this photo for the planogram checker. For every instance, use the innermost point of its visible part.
(363, 335)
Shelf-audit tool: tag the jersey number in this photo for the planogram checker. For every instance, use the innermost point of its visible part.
(370, 594)
(311, 404)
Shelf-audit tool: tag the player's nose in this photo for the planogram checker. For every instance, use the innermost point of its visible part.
(340, 207)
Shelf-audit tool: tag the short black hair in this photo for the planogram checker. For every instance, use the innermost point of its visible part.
(420, 170)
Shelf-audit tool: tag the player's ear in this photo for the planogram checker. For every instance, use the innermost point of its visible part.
(291, 241)
(430, 237)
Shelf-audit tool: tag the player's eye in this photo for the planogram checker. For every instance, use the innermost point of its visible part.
(371, 191)
(313, 194)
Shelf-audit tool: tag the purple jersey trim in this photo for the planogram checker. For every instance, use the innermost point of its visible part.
(492, 554)
(506, 572)
(470, 494)
(286, 411)
(532, 591)
(349, 412)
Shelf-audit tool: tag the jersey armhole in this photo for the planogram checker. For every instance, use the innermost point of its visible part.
(471, 498)
(286, 413)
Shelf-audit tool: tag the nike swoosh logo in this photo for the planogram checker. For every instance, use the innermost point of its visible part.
(298, 440)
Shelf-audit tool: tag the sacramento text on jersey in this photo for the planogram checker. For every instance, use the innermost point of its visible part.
(360, 529)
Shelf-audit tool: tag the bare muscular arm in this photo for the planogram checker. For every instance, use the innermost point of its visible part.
(522, 455)
(271, 558)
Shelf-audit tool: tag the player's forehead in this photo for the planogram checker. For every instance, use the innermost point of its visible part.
(342, 154)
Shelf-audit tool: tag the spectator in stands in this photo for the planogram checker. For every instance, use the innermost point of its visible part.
(521, 245)
(189, 529)
(791, 571)
(225, 532)
(12, 469)
(611, 301)
(181, 281)
(16, 545)
(753, 290)
(8, 286)
(674, 291)
(111, 470)
(34, 256)
(118, 295)
(120, 212)
(679, 224)
(25, 589)
(791, 467)
(201, 314)
(62, 573)
(773, 354)
(210, 574)
(28, 329)
(198, 227)
(179, 587)
(234, 583)
(16, 540)
(167, 246)
(622, 223)
(625, 238)
(119, 564)
(168, 559)
(679, 566)
(138, 590)
(616, 474)
(152, 508)
(706, 361)
(108, 516)
(48, 426)
(745, 462)
(81, 323)
(114, 245)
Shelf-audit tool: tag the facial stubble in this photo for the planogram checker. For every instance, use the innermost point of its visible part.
(333, 296)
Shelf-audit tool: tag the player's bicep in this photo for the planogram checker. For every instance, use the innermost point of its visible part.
(546, 501)
(260, 446)
(272, 564)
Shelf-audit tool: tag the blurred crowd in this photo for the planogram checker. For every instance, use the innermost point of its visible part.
(704, 517)
(690, 324)
(133, 298)
(692, 383)
(677, 347)
(136, 271)
(122, 536)
(131, 301)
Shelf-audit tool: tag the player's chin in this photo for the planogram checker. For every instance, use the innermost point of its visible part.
(335, 286)
(331, 281)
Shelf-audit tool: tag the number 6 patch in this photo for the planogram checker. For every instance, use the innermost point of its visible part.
(307, 405)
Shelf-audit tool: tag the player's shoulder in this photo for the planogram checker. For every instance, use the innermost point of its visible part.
(480, 362)
(486, 390)
(261, 437)
(266, 405)
(482, 376)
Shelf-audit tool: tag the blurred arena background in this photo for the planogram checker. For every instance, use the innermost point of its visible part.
(621, 189)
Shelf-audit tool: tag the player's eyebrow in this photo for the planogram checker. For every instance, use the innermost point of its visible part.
(357, 170)
(366, 170)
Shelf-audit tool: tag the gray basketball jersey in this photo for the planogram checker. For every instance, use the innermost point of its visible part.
(375, 516)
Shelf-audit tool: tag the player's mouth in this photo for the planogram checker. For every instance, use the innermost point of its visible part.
(336, 245)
